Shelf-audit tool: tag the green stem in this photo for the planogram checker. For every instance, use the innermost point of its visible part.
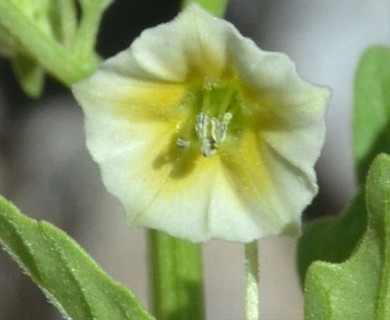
(41, 46)
(68, 23)
(251, 281)
(177, 278)
(216, 7)
(92, 12)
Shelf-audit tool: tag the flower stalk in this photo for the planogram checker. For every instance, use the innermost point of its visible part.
(177, 278)
(251, 281)
(176, 265)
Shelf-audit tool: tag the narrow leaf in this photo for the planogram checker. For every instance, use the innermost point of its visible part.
(67, 275)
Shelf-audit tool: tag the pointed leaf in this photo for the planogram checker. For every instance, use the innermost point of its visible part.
(67, 275)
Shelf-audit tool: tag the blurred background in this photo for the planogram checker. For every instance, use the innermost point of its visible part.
(46, 171)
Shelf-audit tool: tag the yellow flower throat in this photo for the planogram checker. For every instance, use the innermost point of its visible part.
(214, 105)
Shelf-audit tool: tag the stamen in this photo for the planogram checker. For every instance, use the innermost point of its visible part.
(219, 129)
(215, 129)
(202, 123)
(183, 143)
(216, 104)
(211, 132)
(227, 117)
(208, 147)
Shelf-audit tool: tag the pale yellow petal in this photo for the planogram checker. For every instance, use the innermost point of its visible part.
(142, 108)
(190, 47)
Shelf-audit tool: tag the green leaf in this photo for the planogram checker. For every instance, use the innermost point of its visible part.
(30, 75)
(371, 122)
(332, 239)
(85, 39)
(67, 275)
(41, 46)
(46, 31)
(358, 288)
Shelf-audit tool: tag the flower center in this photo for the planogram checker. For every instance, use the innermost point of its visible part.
(214, 106)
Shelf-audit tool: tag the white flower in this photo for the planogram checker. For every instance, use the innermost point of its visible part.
(203, 135)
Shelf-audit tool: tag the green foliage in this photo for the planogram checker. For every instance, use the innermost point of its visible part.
(67, 275)
(50, 36)
(358, 288)
(371, 121)
(350, 277)
(333, 239)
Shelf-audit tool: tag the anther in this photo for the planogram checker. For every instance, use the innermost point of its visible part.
(219, 128)
(202, 122)
(183, 143)
(208, 147)
(210, 132)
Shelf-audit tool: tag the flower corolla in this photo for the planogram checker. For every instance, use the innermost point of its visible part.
(203, 135)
